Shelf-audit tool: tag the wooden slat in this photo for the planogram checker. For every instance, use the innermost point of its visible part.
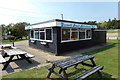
(88, 72)
(11, 52)
(59, 75)
(74, 61)
(49, 67)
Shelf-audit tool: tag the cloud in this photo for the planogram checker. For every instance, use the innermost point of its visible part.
(15, 4)
(12, 11)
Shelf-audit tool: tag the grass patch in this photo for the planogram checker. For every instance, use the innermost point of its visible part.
(106, 56)
(8, 41)
(113, 31)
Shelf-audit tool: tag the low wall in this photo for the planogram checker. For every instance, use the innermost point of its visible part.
(115, 36)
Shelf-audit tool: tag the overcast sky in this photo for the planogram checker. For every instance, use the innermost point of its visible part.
(33, 11)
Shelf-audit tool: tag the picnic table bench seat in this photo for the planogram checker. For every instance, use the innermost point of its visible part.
(2, 60)
(88, 73)
(74, 61)
(82, 75)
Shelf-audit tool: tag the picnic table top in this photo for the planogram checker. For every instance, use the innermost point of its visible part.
(5, 45)
(71, 61)
(11, 52)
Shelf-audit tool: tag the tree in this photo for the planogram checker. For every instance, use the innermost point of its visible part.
(21, 27)
(17, 30)
(92, 22)
(10, 25)
(2, 25)
(111, 24)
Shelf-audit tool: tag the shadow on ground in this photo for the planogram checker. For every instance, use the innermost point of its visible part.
(101, 49)
(21, 65)
(89, 50)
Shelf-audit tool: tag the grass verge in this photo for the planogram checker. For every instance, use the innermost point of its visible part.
(8, 41)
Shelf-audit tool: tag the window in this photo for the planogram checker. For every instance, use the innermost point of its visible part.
(36, 34)
(74, 34)
(48, 34)
(88, 33)
(65, 34)
(32, 34)
(82, 34)
(42, 34)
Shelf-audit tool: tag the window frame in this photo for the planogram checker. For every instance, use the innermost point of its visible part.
(62, 41)
(30, 34)
(61, 34)
(51, 34)
(74, 31)
(90, 34)
(85, 35)
(44, 35)
(41, 32)
(38, 34)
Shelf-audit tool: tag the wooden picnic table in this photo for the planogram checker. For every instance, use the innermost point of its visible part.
(74, 61)
(11, 53)
(2, 46)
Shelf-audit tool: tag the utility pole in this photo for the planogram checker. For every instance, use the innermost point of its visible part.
(62, 16)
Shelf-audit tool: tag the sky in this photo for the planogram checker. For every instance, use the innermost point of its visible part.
(34, 11)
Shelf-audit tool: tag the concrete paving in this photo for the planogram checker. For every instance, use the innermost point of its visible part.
(41, 57)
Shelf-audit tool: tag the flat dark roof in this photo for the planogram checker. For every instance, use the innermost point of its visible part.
(59, 20)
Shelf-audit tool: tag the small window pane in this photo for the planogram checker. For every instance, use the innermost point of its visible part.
(32, 34)
(88, 33)
(65, 34)
(48, 34)
(74, 34)
(82, 34)
(36, 35)
(42, 35)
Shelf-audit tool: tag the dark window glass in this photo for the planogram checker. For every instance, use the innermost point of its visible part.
(88, 33)
(42, 35)
(48, 34)
(32, 34)
(82, 34)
